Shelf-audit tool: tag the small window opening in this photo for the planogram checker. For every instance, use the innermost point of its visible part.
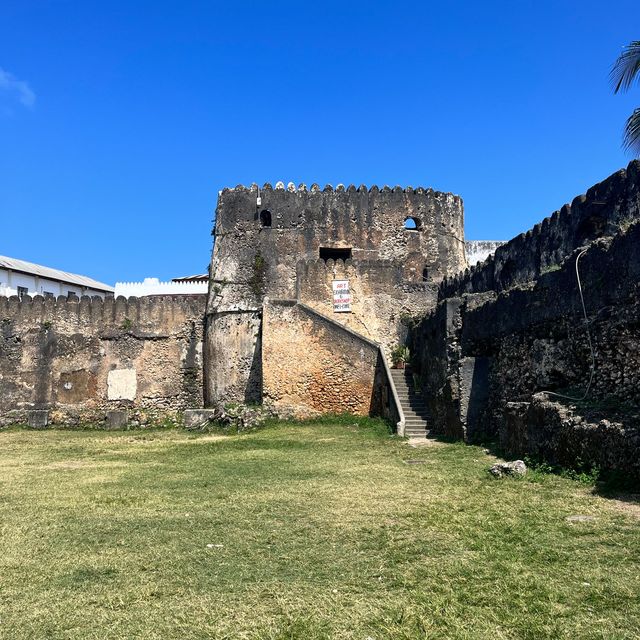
(265, 218)
(412, 224)
(425, 274)
(591, 228)
(328, 253)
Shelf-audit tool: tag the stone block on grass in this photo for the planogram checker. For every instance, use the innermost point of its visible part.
(199, 418)
(38, 418)
(116, 419)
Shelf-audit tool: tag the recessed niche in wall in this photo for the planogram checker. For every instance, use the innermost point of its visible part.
(265, 218)
(329, 253)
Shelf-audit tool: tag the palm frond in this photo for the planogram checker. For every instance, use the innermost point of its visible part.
(626, 68)
(631, 140)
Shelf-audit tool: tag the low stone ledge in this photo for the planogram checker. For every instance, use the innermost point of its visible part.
(38, 418)
(116, 419)
(198, 418)
(559, 434)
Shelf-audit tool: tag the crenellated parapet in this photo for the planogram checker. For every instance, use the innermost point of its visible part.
(100, 361)
(288, 242)
(101, 314)
(604, 210)
(328, 188)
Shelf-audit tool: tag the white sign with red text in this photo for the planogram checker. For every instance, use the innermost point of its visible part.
(341, 296)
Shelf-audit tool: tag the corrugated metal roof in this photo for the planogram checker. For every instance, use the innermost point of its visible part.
(201, 277)
(52, 274)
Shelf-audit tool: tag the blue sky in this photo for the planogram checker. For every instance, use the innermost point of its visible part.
(120, 121)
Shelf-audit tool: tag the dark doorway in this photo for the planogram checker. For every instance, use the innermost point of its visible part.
(265, 218)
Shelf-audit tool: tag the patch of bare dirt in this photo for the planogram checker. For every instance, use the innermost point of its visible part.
(628, 503)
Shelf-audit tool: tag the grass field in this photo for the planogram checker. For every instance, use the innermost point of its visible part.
(301, 531)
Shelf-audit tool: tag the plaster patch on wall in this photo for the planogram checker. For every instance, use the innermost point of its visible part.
(122, 384)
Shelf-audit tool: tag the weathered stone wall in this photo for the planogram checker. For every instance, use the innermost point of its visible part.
(383, 304)
(233, 354)
(313, 366)
(537, 335)
(84, 360)
(563, 435)
(604, 210)
(480, 352)
(257, 249)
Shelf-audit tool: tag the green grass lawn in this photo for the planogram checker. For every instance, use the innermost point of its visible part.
(301, 531)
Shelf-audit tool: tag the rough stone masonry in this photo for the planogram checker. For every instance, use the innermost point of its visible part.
(105, 362)
(486, 341)
(507, 352)
(393, 246)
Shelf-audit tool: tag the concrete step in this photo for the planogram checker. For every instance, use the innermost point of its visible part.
(414, 406)
(415, 417)
(416, 414)
(419, 409)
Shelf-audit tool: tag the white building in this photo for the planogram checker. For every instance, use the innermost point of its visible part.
(189, 285)
(479, 250)
(20, 278)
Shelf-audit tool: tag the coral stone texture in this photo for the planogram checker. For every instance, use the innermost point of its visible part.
(80, 359)
(316, 365)
(393, 245)
(310, 291)
(514, 327)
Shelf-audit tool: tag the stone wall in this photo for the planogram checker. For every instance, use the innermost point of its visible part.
(383, 304)
(479, 353)
(261, 235)
(563, 435)
(89, 360)
(603, 211)
(313, 366)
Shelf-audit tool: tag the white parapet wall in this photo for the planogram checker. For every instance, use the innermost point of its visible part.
(479, 250)
(153, 287)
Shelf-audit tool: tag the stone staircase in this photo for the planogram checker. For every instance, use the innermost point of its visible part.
(415, 411)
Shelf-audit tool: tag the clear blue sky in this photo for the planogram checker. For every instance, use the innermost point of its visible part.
(120, 121)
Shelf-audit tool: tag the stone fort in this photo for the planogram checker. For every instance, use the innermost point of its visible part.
(312, 289)
(278, 251)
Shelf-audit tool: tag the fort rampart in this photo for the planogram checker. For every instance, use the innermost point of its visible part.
(494, 343)
(603, 210)
(269, 241)
(105, 362)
